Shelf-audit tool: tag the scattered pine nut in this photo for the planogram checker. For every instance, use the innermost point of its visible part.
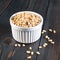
(28, 52)
(52, 42)
(23, 45)
(50, 30)
(44, 30)
(54, 31)
(46, 36)
(38, 52)
(19, 45)
(45, 45)
(32, 53)
(30, 48)
(16, 45)
(40, 46)
(29, 57)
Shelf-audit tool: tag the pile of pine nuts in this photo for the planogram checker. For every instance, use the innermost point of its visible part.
(26, 20)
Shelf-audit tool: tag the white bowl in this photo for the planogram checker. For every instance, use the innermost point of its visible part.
(26, 35)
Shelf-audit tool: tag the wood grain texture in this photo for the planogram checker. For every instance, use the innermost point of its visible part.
(50, 10)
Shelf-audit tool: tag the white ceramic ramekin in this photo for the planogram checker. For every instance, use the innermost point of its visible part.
(26, 35)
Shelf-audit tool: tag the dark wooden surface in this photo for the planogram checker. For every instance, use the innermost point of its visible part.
(50, 10)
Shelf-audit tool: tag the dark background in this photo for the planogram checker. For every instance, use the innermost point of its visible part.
(49, 9)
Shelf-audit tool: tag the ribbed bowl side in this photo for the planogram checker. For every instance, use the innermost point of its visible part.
(26, 36)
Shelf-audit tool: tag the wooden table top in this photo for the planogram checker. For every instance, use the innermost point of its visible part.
(50, 10)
